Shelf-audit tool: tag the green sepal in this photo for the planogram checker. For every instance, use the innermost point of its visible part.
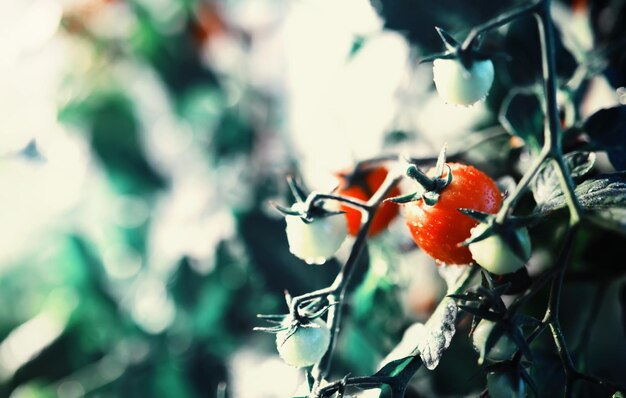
(479, 216)
(484, 235)
(450, 42)
(405, 198)
(296, 189)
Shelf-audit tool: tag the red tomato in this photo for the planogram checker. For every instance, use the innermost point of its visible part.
(438, 229)
(362, 184)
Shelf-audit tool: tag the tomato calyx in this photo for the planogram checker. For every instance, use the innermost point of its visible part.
(429, 188)
(498, 327)
(456, 50)
(296, 318)
(307, 210)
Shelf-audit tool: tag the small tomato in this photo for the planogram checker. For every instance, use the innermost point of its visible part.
(362, 184)
(501, 350)
(439, 229)
(495, 255)
(306, 345)
(461, 86)
(318, 240)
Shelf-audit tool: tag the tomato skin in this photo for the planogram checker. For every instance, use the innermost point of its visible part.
(504, 347)
(459, 86)
(306, 346)
(494, 255)
(317, 241)
(438, 229)
(369, 181)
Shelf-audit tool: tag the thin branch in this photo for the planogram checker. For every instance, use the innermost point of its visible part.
(499, 21)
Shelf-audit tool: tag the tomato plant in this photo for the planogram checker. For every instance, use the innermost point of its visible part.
(439, 228)
(361, 183)
(457, 215)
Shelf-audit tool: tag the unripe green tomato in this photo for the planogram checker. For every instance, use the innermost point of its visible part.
(505, 385)
(495, 255)
(504, 347)
(306, 346)
(457, 85)
(317, 241)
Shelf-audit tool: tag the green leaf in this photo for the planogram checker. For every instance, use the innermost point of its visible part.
(600, 193)
(394, 367)
(546, 184)
(604, 197)
(607, 130)
(521, 115)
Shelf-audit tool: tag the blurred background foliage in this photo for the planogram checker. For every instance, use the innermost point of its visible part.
(140, 143)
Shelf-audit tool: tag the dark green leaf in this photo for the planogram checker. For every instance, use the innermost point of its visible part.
(394, 367)
(607, 129)
(604, 196)
(546, 184)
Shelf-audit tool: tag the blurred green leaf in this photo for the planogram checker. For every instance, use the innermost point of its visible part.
(607, 130)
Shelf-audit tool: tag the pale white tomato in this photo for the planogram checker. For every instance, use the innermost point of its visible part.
(504, 347)
(495, 255)
(306, 346)
(316, 241)
(460, 86)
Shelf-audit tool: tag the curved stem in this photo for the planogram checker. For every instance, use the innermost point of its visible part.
(520, 188)
(552, 135)
(501, 20)
(356, 203)
(336, 292)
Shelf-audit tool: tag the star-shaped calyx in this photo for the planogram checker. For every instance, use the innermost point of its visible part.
(465, 54)
(428, 188)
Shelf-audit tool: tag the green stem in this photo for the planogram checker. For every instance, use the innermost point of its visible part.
(337, 290)
(499, 21)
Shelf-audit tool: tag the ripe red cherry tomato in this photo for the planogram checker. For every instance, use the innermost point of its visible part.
(438, 229)
(362, 184)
